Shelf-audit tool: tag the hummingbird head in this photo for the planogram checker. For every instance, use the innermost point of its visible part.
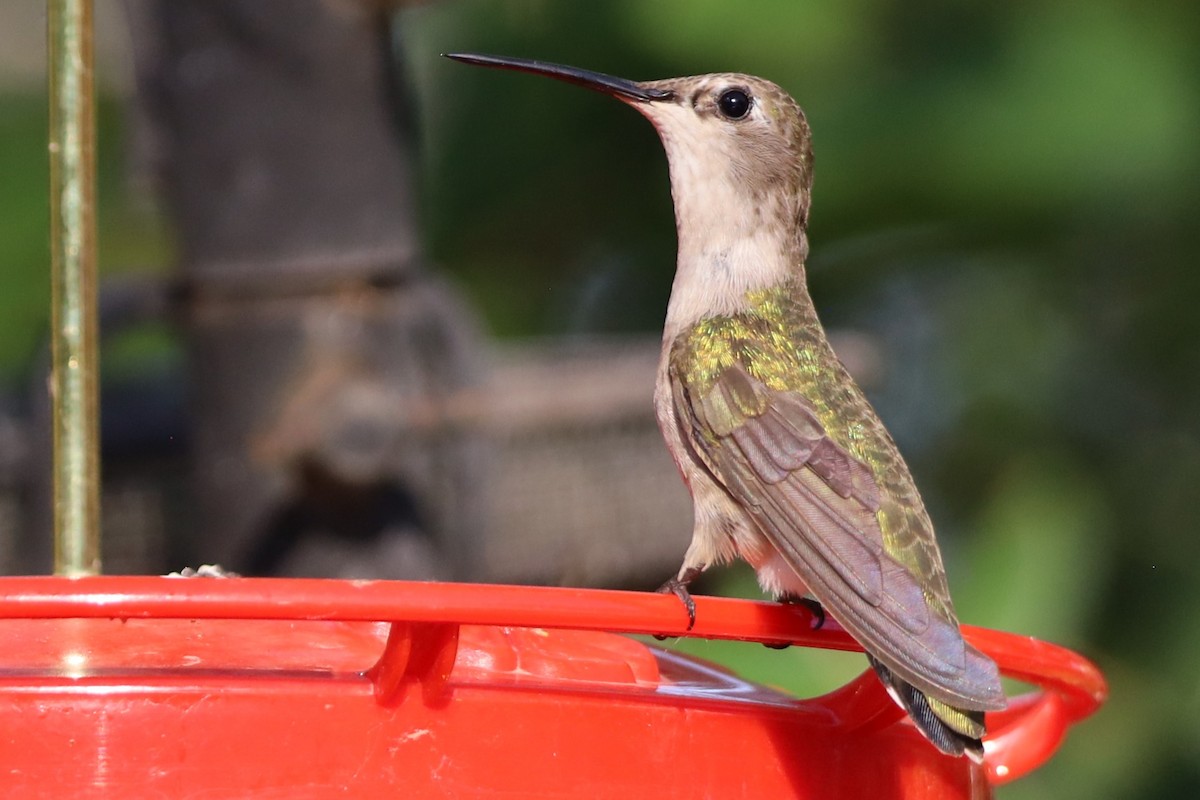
(732, 134)
(740, 153)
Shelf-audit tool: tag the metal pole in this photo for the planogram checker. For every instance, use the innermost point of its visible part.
(73, 267)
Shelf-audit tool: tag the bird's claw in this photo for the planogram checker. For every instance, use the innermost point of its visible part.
(678, 587)
(814, 607)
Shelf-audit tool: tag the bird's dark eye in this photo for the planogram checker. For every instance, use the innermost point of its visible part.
(733, 103)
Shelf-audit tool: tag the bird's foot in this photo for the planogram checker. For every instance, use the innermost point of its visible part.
(817, 610)
(678, 587)
(814, 606)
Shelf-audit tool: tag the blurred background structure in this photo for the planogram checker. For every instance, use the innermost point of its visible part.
(1003, 229)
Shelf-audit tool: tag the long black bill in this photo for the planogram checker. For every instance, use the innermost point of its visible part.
(581, 77)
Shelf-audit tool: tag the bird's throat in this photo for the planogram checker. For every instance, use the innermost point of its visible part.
(721, 275)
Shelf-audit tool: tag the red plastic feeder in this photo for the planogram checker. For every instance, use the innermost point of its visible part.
(172, 687)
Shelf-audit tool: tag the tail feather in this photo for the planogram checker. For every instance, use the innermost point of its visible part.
(954, 731)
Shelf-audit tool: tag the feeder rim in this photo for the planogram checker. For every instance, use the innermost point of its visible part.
(128, 597)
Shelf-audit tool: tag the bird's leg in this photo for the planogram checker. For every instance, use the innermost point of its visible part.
(814, 606)
(678, 587)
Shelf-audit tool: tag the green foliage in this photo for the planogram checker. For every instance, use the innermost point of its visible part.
(130, 238)
(24, 226)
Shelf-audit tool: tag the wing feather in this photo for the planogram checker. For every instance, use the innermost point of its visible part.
(818, 506)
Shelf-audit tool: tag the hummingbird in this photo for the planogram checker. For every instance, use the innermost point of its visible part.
(789, 467)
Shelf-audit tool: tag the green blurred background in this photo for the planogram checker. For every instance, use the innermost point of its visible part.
(1005, 203)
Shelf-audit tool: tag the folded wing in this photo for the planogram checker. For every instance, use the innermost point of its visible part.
(819, 507)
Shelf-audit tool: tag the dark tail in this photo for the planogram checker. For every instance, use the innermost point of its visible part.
(954, 731)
